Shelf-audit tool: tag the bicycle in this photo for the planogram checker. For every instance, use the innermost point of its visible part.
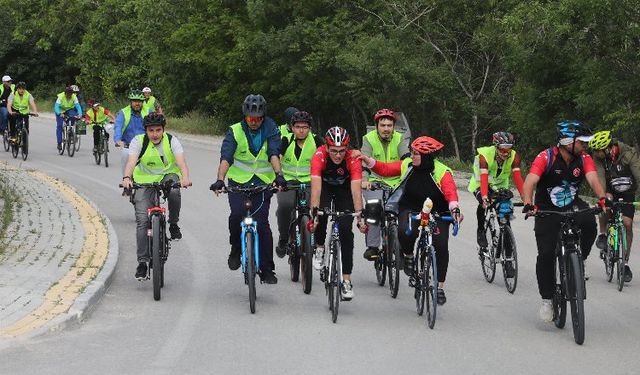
(103, 145)
(388, 259)
(331, 272)
(250, 255)
(425, 272)
(500, 239)
(570, 283)
(614, 254)
(5, 140)
(300, 245)
(158, 243)
(69, 136)
(21, 141)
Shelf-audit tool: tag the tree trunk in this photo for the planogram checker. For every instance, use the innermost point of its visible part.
(454, 139)
(474, 130)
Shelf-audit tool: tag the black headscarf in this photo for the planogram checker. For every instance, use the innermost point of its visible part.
(427, 163)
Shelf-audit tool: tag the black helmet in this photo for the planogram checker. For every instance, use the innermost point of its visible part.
(301, 116)
(153, 119)
(254, 105)
(21, 85)
(288, 113)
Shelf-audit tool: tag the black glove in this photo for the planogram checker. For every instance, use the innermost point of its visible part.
(280, 182)
(455, 214)
(217, 186)
(528, 208)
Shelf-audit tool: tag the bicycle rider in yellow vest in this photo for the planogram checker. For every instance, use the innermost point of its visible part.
(285, 128)
(6, 88)
(18, 104)
(66, 105)
(151, 103)
(98, 115)
(384, 144)
(250, 155)
(296, 151)
(154, 156)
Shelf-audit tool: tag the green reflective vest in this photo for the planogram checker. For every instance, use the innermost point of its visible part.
(496, 181)
(21, 103)
(98, 116)
(378, 153)
(13, 88)
(284, 131)
(438, 171)
(294, 168)
(149, 104)
(67, 104)
(126, 111)
(245, 165)
(150, 167)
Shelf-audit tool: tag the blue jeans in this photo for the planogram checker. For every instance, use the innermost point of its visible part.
(4, 118)
(60, 121)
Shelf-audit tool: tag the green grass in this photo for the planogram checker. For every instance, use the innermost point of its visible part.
(10, 199)
(457, 165)
(197, 123)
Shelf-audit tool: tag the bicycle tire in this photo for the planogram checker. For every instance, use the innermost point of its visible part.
(608, 259)
(105, 149)
(97, 156)
(24, 140)
(488, 258)
(508, 240)
(14, 149)
(5, 140)
(621, 250)
(420, 284)
(294, 265)
(164, 250)
(577, 292)
(380, 266)
(306, 261)
(250, 270)
(71, 147)
(431, 299)
(63, 145)
(334, 276)
(76, 141)
(393, 260)
(156, 244)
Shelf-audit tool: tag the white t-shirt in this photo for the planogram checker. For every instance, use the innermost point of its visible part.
(135, 147)
(12, 98)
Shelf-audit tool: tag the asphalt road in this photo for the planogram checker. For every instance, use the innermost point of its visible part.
(202, 324)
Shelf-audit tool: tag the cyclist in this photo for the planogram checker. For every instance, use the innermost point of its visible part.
(492, 167)
(67, 105)
(285, 129)
(19, 102)
(618, 167)
(5, 90)
(422, 176)
(129, 123)
(151, 103)
(336, 174)
(97, 114)
(296, 151)
(154, 156)
(250, 156)
(387, 145)
(555, 175)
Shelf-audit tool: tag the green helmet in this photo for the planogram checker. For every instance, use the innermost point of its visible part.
(600, 140)
(136, 95)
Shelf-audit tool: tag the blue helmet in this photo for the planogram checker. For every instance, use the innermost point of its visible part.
(572, 129)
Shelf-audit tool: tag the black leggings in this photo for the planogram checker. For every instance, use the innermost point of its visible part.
(440, 241)
(342, 201)
(12, 123)
(96, 135)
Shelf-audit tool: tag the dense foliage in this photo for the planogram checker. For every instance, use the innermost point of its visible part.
(458, 69)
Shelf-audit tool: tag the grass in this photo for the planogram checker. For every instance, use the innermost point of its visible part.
(197, 123)
(457, 165)
(10, 198)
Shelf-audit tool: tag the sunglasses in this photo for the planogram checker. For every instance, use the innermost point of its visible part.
(253, 119)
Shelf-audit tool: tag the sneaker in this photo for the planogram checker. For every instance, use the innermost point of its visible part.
(408, 265)
(234, 259)
(268, 277)
(601, 242)
(509, 270)
(628, 275)
(482, 239)
(59, 146)
(347, 290)
(371, 253)
(174, 230)
(141, 271)
(546, 311)
(441, 297)
(318, 258)
(281, 249)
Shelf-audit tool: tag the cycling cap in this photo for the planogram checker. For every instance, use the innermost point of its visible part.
(153, 119)
(146, 89)
(254, 105)
(574, 129)
(75, 88)
(337, 136)
(6, 79)
(426, 145)
(21, 85)
(600, 140)
(136, 95)
(384, 112)
(503, 139)
(301, 116)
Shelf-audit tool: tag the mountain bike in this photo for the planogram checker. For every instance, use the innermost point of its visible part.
(301, 243)
(570, 283)
(20, 144)
(500, 239)
(614, 254)
(103, 144)
(331, 272)
(69, 137)
(425, 272)
(388, 259)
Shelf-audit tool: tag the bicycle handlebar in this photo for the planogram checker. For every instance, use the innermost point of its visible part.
(158, 185)
(572, 213)
(295, 185)
(248, 190)
(380, 186)
(447, 218)
(326, 212)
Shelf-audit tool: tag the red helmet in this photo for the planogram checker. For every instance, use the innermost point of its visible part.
(426, 145)
(384, 112)
(337, 136)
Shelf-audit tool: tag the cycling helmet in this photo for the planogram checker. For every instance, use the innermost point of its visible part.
(426, 145)
(337, 136)
(288, 113)
(600, 140)
(21, 85)
(146, 89)
(96, 103)
(75, 88)
(136, 94)
(503, 139)
(254, 105)
(153, 119)
(384, 112)
(301, 116)
(573, 129)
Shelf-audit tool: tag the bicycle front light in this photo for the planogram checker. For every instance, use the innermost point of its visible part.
(248, 221)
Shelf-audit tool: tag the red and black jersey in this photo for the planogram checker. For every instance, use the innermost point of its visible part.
(335, 174)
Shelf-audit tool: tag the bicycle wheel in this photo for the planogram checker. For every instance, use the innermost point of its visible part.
(393, 260)
(105, 150)
(24, 139)
(97, 155)
(431, 282)
(621, 250)
(306, 261)
(63, 145)
(294, 263)
(15, 147)
(380, 265)
(334, 277)
(156, 244)
(609, 259)
(5, 140)
(508, 244)
(488, 258)
(420, 285)
(71, 139)
(76, 141)
(575, 280)
(250, 272)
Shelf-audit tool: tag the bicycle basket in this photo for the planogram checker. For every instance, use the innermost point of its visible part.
(81, 128)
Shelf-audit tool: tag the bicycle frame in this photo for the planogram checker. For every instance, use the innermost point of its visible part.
(301, 210)
(249, 225)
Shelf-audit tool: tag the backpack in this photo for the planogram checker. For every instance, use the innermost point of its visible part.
(145, 145)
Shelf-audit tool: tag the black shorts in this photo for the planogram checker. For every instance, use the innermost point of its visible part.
(628, 210)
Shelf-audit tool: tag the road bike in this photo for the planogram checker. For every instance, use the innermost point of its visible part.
(102, 150)
(615, 253)
(69, 136)
(20, 143)
(301, 241)
(500, 239)
(569, 275)
(424, 279)
(388, 259)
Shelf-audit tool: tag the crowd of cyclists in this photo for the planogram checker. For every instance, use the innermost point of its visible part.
(257, 151)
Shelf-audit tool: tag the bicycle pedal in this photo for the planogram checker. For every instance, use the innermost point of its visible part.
(345, 299)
